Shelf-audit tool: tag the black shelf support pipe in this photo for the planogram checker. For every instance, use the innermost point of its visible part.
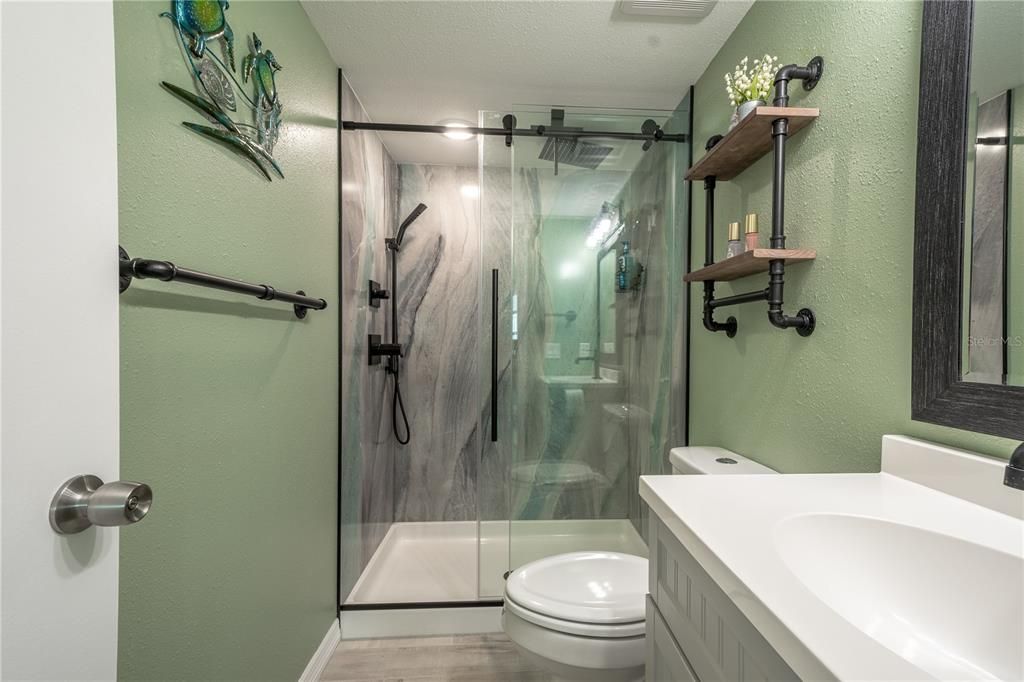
(166, 271)
(803, 321)
(748, 297)
(729, 326)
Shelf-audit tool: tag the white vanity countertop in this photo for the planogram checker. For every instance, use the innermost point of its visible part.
(731, 525)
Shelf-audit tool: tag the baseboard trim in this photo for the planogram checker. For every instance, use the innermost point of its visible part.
(323, 654)
(372, 624)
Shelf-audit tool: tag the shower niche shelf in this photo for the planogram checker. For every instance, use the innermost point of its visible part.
(748, 263)
(748, 141)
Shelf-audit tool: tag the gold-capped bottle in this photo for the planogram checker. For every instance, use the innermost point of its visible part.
(735, 245)
(750, 231)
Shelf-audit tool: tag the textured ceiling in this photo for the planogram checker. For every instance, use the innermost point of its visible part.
(427, 62)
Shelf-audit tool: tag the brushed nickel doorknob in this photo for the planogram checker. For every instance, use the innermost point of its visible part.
(85, 500)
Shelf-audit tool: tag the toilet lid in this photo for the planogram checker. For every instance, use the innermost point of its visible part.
(587, 587)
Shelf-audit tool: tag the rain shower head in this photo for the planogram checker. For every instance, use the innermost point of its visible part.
(574, 152)
(416, 212)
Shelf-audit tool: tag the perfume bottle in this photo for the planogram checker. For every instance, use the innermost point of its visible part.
(750, 231)
(735, 245)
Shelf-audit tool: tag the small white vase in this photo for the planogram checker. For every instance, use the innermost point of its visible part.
(744, 110)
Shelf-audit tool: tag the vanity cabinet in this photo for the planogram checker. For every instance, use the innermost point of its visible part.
(665, 660)
(694, 630)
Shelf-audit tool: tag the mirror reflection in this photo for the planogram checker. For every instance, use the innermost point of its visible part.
(993, 282)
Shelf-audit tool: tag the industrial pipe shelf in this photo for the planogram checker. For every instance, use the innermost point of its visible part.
(748, 141)
(748, 263)
(767, 128)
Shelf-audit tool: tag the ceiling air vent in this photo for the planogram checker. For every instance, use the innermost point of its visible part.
(681, 9)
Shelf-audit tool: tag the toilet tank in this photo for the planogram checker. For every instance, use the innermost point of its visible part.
(711, 460)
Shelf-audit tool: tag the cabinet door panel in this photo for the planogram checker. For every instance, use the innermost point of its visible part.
(665, 660)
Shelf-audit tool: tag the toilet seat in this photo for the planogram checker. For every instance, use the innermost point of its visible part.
(594, 594)
(571, 627)
(580, 616)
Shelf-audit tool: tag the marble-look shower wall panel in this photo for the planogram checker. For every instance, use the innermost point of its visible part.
(532, 397)
(439, 307)
(563, 422)
(652, 319)
(368, 205)
(496, 254)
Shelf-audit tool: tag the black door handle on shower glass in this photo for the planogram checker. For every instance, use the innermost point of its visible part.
(494, 355)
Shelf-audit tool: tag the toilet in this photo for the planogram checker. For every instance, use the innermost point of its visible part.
(581, 615)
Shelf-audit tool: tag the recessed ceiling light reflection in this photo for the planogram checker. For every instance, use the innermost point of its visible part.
(454, 132)
(470, 191)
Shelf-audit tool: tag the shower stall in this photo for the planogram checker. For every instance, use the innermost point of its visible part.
(541, 320)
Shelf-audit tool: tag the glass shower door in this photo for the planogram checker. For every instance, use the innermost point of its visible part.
(590, 257)
(499, 425)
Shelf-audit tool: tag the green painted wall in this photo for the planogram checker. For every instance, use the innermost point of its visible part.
(228, 405)
(822, 403)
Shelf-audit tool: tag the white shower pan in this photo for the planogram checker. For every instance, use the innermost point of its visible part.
(445, 561)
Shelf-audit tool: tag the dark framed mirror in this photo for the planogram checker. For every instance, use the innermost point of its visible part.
(968, 320)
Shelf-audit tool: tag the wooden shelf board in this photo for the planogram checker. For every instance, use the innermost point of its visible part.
(748, 263)
(748, 141)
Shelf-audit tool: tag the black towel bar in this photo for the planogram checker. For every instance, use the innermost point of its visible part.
(141, 268)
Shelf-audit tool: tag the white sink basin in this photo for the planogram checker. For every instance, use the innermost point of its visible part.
(950, 607)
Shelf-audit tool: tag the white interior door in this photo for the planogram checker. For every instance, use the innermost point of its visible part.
(59, 340)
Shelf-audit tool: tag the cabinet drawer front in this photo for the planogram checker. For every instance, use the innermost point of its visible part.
(665, 660)
(717, 639)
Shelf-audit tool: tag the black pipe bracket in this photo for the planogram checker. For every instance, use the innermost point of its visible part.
(817, 68)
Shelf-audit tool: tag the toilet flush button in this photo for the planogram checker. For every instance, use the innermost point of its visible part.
(725, 460)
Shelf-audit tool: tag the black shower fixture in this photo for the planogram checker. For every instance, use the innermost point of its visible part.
(396, 243)
(393, 351)
(572, 150)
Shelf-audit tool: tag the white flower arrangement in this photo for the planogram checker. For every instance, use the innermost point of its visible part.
(744, 85)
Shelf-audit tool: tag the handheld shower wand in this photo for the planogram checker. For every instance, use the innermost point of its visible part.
(396, 243)
(393, 246)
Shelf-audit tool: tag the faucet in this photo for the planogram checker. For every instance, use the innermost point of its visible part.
(1014, 476)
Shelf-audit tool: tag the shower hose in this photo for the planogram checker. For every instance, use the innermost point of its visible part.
(396, 406)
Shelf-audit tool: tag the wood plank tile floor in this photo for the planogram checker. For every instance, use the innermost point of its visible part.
(481, 658)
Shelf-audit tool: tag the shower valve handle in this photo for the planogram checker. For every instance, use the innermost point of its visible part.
(390, 349)
(378, 349)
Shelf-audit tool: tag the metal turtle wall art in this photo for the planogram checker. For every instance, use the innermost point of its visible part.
(260, 66)
(203, 21)
(197, 22)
